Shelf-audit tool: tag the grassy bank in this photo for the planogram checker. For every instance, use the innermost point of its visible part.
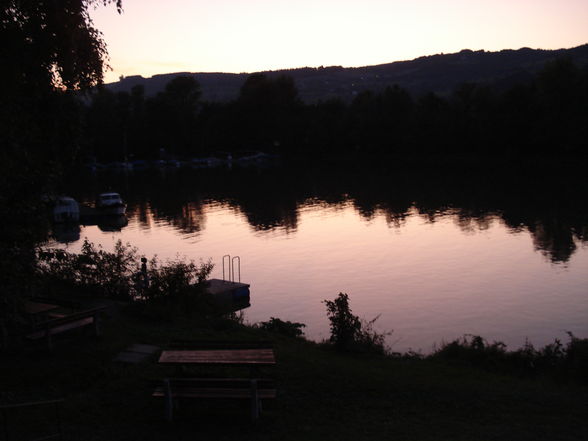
(322, 394)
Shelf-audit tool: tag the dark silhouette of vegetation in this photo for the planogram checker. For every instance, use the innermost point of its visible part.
(568, 361)
(92, 272)
(551, 211)
(440, 73)
(348, 332)
(539, 117)
(162, 290)
(50, 51)
(287, 328)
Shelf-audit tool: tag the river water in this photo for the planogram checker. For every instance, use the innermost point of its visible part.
(433, 255)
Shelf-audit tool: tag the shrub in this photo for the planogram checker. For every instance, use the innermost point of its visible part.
(349, 332)
(576, 357)
(92, 272)
(174, 279)
(287, 328)
(570, 361)
(473, 349)
(176, 288)
(162, 290)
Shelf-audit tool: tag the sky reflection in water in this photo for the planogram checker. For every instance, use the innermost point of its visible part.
(431, 275)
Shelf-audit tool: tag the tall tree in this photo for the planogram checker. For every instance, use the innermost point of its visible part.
(51, 43)
(49, 49)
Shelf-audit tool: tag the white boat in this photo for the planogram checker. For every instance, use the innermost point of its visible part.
(110, 203)
(66, 209)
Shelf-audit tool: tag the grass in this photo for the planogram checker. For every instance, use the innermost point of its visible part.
(322, 394)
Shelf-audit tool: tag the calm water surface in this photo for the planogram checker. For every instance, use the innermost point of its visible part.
(434, 259)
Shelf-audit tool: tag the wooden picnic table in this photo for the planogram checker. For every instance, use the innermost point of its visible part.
(252, 355)
(234, 357)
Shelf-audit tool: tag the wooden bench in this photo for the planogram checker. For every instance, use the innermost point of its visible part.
(255, 390)
(58, 325)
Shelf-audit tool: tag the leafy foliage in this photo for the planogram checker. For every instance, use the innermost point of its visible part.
(49, 48)
(349, 332)
(48, 43)
(569, 361)
(92, 272)
(287, 328)
(540, 116)
(177, 285)
(176, 288)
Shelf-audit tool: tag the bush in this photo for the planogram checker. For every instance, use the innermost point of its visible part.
(176, 287)
(349, 332)
(174, 279)
(287, 328)
(570, 361)
(93, 272)
(474, 349)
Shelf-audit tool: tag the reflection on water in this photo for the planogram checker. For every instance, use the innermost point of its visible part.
(437, 257)
(66, 232)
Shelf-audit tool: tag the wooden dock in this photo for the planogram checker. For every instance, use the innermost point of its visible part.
(234, 295)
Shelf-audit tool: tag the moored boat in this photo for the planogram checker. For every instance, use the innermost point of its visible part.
(110, 203)
(66, 209)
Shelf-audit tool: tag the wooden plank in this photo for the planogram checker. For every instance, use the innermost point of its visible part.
(74, 316)
(220, 356)
(221, 383)
(61, 328)
(38, 307)
(214, 392)
(218, 381)
(30, 404)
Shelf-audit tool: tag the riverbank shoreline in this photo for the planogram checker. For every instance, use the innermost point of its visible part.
(322, 394)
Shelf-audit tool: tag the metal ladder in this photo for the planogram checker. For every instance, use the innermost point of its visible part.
(231, 268)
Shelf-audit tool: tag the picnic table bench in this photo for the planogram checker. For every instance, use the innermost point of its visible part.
(60, 324)
(253, 389)
(210, 353)
(229, 357)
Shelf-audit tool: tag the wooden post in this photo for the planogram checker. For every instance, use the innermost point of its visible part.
(48, 335)
(168, 400)
(254, 401)
(58, 417)
(97, 324)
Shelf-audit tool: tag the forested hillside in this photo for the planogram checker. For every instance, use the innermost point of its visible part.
(439, 73)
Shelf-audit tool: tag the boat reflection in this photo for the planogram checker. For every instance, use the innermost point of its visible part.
(112, 223)
(106, 223)
(66, 232)
(553, 212)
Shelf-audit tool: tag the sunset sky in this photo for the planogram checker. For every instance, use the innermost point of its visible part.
(154, 36)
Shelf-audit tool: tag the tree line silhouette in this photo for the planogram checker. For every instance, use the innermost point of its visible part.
(551, 211)
(545, 117)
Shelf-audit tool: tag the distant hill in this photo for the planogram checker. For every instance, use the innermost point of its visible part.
(437, 73)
